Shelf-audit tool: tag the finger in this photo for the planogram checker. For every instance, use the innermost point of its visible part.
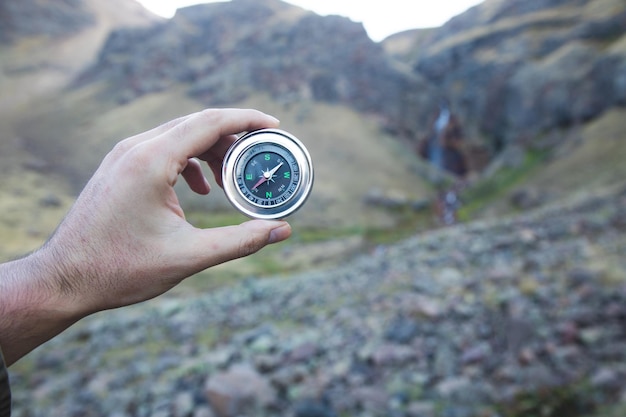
(214, 157)
(218, 245)
(159, 130)
(197, 134)
(195, 178)
(217, 151)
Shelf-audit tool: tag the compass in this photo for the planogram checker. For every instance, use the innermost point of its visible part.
(267, 174)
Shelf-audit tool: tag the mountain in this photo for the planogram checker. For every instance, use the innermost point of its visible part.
(510, 70)
(539, 87)
(322, 76)
(516, 69)
(43, 47)
(46, 44)
(225, 51)
(536, 89)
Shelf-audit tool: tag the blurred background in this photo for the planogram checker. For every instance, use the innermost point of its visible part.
(462, 252)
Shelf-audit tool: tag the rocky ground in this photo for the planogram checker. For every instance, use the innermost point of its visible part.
(516, 317)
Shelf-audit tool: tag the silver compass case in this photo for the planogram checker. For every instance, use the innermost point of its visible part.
(267, 174)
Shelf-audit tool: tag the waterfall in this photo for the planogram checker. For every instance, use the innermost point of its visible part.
(435, 148)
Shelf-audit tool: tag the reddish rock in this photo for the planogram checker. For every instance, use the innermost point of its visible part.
(238, 391)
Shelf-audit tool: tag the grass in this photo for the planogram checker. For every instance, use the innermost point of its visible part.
(597, 161)
(308, 248)
(407, 223)
(594, 160)
(495, 188)
(576, 399)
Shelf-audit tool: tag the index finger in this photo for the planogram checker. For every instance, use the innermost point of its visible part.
(197, 134)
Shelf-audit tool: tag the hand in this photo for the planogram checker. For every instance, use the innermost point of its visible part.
(126, 240)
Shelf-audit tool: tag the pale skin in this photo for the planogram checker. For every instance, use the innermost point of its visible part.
(126, 239)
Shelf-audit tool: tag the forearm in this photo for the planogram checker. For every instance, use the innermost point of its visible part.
(32, 310)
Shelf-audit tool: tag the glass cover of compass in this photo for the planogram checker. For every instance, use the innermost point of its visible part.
(267, 174)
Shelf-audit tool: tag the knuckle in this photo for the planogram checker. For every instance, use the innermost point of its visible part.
(121, 148)
(130, 159)
(211, 115)
(171, 124)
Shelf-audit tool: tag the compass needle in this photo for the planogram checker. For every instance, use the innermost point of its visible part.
(261, 181)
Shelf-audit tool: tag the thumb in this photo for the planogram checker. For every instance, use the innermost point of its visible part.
(222, 244)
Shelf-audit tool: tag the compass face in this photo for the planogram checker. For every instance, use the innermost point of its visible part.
(267, 174)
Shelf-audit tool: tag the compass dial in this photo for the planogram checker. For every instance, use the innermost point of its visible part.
(267, 174)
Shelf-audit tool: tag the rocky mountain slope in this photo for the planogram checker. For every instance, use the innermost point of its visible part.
(514, 317)
(510, 70)
(528, 81)
(226, 54)
(225, 51)
(44, 45)
(245, 53)
(515, 70)
(539, 87)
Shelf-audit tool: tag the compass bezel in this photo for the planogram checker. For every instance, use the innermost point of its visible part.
(244, 149)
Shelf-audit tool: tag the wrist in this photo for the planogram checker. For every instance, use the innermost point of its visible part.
(32, 309)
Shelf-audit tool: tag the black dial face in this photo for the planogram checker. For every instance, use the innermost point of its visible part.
(267, 175)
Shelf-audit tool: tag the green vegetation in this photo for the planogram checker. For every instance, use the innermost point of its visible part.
(495, 187)
(309, 247)
(407, 221)
(571, 400)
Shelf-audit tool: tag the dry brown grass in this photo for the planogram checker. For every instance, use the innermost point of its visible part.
(596, 161)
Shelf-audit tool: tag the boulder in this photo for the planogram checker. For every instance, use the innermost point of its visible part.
(238, 391)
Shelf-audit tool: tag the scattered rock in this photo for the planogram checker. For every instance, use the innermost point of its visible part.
(313, 408)
(476, 353)
(304, 352)
(238, 391)
(402, 330)
(526, 198)
(421, 409)
(184, 404)
(390, 354)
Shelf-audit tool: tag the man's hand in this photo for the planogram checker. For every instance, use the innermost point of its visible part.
(126, 240)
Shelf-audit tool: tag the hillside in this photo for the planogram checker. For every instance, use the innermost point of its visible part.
(514, 317)
(537, 88)
(331, 94)
(516, 70)
(38, 58)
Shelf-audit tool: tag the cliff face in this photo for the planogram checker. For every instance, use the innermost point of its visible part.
(45, 44)
(224, 51)
(514, 69)
(20, 18)
(511, 70)
(60, 18)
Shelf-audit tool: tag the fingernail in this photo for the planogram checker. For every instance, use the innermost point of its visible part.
(279, 233)
(275, 119)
